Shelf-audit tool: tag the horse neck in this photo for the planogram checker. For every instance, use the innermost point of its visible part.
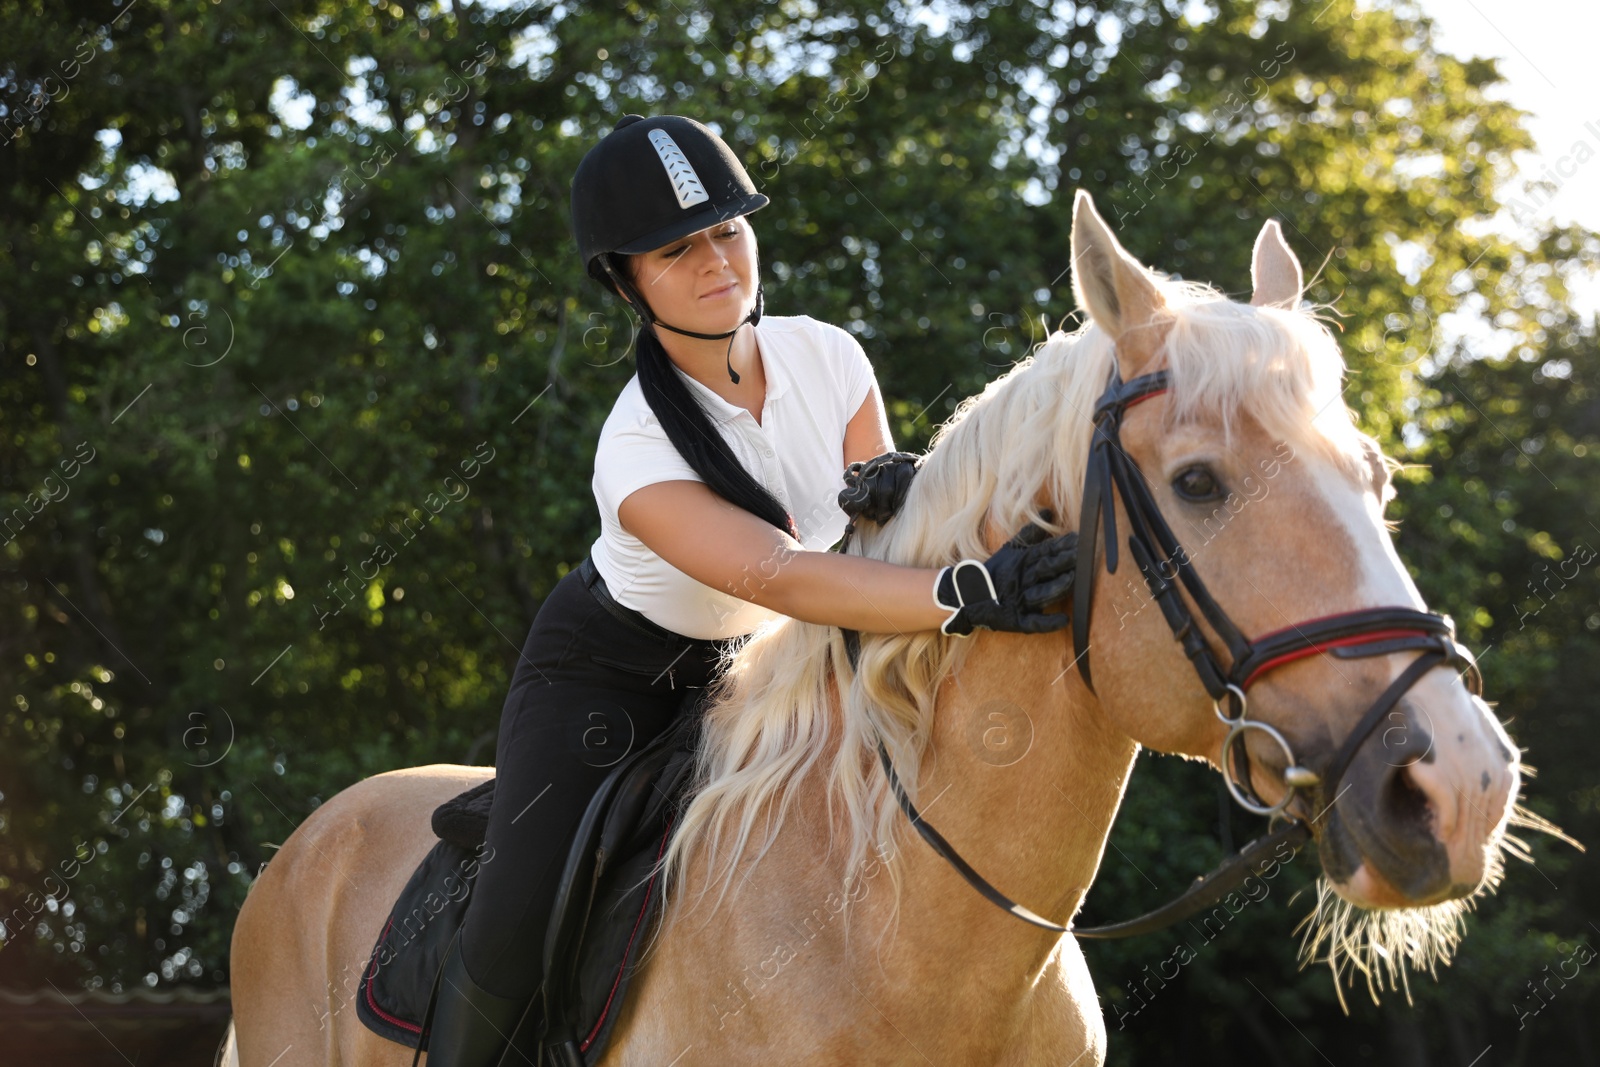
(1023, 777)
(1035, 827)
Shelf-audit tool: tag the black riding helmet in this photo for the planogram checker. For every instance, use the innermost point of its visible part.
(651, 181)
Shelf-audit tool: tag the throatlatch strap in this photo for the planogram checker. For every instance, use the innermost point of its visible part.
(1082, 590)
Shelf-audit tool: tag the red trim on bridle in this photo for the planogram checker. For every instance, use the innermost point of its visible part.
(1342, 642)
(1141, 399)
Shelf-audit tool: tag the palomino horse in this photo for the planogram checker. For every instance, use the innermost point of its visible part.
(795, 842)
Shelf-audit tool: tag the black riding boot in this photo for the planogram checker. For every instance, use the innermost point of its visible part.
(471, 1026)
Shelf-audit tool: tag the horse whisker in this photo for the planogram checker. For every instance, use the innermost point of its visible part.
(1532, 820)
(1384, 945)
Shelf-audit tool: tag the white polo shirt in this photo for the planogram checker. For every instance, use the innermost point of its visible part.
(817, 377)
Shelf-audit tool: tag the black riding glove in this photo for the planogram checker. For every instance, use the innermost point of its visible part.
(1010, 589)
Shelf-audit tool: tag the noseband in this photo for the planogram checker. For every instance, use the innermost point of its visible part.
(1168, 572)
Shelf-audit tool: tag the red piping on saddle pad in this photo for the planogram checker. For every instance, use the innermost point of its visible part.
(626, 952)
(372, 973)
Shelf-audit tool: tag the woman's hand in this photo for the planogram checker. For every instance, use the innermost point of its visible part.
(1008, 591)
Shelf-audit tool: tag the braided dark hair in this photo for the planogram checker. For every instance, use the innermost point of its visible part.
(690, 429)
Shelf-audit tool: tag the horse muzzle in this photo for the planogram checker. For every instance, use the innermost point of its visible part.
(1410, 826)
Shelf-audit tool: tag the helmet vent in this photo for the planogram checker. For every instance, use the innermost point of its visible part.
(685, 182)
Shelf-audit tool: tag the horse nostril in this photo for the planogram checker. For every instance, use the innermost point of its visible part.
(1443, 798)
(1396, 818)
(1404, 804)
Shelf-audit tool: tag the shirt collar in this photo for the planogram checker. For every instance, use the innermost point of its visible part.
(722, 410)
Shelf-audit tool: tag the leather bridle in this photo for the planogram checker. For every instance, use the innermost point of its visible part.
(1168, 573)
(1166, 568)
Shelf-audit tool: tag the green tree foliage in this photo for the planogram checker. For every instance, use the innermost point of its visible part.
(302, 381)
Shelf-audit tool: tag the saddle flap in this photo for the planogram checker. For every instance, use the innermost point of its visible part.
(392, 995)
(606, 900)
(606, 905)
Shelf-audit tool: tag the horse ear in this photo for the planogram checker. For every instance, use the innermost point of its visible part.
(1274, 271)
(1113, 287)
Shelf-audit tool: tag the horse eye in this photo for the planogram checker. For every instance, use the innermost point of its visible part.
(1197, 483)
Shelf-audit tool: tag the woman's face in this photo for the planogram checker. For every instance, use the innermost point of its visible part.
(705, 282)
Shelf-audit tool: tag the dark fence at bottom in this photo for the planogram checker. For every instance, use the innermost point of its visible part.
(181, 1028)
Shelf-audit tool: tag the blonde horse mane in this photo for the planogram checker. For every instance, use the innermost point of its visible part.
(1007, 454)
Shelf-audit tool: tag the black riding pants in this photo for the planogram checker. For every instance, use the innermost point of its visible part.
(595, 681)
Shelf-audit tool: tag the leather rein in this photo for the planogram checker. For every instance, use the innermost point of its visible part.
(1168, 573)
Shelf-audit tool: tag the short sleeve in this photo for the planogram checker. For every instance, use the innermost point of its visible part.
(628, 459)
(857, 376)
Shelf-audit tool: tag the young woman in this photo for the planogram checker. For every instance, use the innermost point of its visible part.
(717, 478)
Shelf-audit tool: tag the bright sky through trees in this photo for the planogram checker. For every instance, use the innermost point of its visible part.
(1546, 54)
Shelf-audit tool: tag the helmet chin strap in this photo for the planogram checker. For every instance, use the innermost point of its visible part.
(637, 303)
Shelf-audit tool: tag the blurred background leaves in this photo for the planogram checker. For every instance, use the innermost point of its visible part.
(288, 288)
